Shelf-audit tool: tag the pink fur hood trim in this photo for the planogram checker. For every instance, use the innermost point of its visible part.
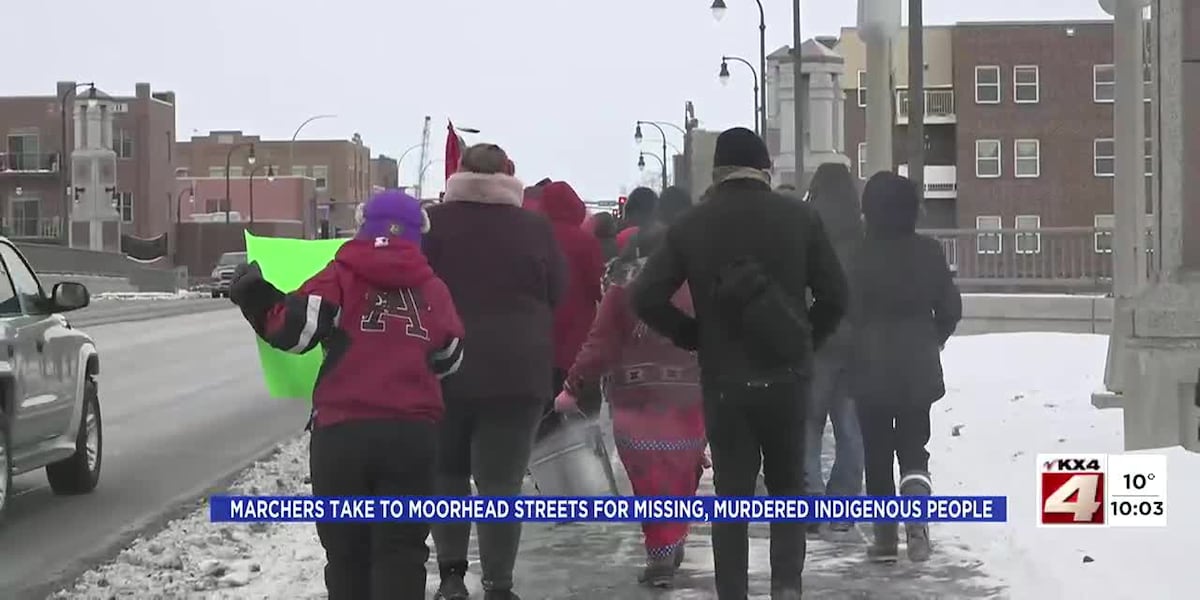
(496, 188)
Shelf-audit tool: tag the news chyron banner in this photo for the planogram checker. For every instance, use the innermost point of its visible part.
(548, 509)
(1102, 490)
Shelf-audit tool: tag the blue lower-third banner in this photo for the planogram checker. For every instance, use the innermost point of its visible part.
(546, 509)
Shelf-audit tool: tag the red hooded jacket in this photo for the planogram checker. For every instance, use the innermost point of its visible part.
(585, 268)
(388, 325)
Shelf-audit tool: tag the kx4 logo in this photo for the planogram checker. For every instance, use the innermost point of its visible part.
(1071, 490)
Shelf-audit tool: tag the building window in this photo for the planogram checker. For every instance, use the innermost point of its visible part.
(123, 202)
(26, 215)
(235, 172)
(23, 152)
(321, 174)
(1104, 157)
(987, 159)
(862, 160)
(1104, 79)
(988, 243)
(861, 92)
(1026, 84)
(1028, 243)
(987, 85)
(1027, 158)
(1149, 157)
(218, 172)
(1103, 238)
(123, 144)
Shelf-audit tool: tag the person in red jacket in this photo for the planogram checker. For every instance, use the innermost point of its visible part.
(389, 331)
(585, 268)
(657, 412)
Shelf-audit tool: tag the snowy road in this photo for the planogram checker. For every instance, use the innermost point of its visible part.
(184, 407)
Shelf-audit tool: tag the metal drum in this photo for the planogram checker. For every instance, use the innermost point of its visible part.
(573, 460)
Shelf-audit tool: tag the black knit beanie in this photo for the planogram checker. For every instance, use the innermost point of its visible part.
(740, 147)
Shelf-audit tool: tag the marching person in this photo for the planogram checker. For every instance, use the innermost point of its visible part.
(833, 195)
(654, 395)
(585, 267)
(904, 307)
(749, 256)
(389, 332)
(639, 210)
(603, 225)
(506, 273)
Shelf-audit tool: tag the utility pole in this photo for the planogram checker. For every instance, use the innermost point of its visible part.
(916, 95)
(685, 178)
(424, 158)
(798, 102)
(878, 24)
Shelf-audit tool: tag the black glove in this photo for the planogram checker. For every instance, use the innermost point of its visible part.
(245, 278)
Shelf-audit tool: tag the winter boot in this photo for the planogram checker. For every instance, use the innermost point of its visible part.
(453, 586)
(500, 595)
(659, 572)
(917, 534)
(886, 547)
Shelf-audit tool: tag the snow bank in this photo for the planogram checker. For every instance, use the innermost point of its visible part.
(195, 558)
(1011, 396)
(180, 295)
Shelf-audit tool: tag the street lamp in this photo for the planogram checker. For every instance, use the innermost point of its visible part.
(292, 144)
(228, 160)
(661, 160)
(637, 136)
(724, 77)
(63, 172)
(270, 177)
(718, 10)
(191, 189)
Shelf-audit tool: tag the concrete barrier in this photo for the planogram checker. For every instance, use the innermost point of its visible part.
(79, 262)
(1009, 313)
(96, 284)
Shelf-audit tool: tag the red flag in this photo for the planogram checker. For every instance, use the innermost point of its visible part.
(454, 149)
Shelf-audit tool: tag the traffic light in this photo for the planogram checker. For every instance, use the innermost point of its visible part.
(620, 211)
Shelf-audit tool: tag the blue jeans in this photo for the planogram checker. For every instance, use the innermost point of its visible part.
(830, 401)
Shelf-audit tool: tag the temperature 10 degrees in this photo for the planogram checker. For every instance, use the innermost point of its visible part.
(1137, 481)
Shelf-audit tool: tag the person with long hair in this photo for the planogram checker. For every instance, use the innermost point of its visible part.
(833, 195)
(507, 275)
(904, 307)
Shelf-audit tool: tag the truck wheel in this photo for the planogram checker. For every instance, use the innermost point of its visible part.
(80, 473)
(5, 465)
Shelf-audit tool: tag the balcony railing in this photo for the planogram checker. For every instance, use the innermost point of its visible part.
(28, 162)
(939, 106)
(33, 229)
(941, 181)
(1049, 259)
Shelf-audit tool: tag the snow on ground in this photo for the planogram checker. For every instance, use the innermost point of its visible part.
(179, 295)
(1010, 396)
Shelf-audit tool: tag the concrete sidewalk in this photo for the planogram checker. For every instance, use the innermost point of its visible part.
(594, 561)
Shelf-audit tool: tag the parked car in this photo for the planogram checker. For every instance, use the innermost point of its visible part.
(222, 274)
(49, 400)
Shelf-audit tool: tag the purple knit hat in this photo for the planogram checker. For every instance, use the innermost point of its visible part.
(392, 213)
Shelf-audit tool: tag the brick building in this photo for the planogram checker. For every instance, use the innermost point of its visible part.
(1018, 124)
(385, 173)
(340, 169)
(258, 198)
(33, 184)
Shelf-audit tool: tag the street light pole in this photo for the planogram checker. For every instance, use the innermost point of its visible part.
(718, 9)
(228, 163)
(191, 189)
(400, 161)
(662, 161)
(270, 177)
(797, 104)
(292, 144)
(724, 77)
(637, 136)
(66, 232)
(916, 95)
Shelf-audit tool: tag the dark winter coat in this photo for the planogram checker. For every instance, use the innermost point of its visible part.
(742, 217)
(904, 303)
(507, 275)
(387, 324)
(834, 196)
(585, 267)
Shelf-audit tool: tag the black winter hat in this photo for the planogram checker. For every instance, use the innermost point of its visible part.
(891, 204)
(740, 147)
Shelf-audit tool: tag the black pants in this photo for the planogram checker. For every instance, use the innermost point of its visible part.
(893, 433)
(489, 440)
(749, 428)
(589, 404)
(374, 561)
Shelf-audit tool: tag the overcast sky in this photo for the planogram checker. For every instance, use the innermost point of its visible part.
(559, 83)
